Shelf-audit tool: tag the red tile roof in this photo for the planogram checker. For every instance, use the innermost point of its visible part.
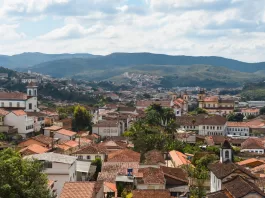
(66, 132)
(79, 190)
(43, 139)
(252, 143)
(19, 112)
(13, 96)
(175, 173)
(53, 128)
(154, 157)
(151, 194)
(124, 155)
(33, 149)
(90, 149)
(3, 112)
(178, 158)
(151, 176)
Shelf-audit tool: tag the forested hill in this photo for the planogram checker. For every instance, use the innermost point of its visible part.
(26, 60)
(131, 59)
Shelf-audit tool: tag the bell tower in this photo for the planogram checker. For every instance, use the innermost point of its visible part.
(32, 100)
(201, 96)
(226, 152)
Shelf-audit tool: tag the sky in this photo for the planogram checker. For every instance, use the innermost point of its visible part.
(229, 28)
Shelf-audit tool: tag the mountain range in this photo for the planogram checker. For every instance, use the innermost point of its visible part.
(209, 71)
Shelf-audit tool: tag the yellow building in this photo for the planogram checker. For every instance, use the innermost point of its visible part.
(215, 104)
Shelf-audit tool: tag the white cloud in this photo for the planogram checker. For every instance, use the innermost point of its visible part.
(9, 33)
(70, 31)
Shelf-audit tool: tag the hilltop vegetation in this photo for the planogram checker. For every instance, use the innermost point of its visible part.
(254, 91)
(173, 71)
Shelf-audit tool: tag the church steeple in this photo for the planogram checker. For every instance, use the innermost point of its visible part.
(226, 152)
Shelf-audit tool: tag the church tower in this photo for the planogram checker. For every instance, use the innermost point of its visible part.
(32, 101)
(226, 152)
(201, 96)
(185, 98)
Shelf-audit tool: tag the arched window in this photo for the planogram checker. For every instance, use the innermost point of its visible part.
(35, 92)
(226, 154)
(30, 93)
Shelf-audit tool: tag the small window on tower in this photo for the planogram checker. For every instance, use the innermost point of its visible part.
(18, 104)
(30, 106)
(30, 93)
(10, 104)
(226, 154)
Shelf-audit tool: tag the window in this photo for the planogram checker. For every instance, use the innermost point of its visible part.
(226, 154)
(35, 92)
(47, 164)
(30, 105)
(10, 104)
(88, 157)
(18, 104)
(30, 93)
(80, 157)
(2, 104)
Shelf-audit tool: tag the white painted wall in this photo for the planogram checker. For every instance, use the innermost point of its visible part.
(63, 137)
(242, 131)
(260, 151)
(216, 184)
(106, 131)
(19, 122)
(92, 156)
(150, 186)
(62, 173)
(14, 103)
(34, 102)
(212, 129)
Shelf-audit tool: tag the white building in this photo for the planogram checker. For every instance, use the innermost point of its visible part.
(17, 100)
(107, 128)
(60, 133)
(58, 167)
(90, 152)
(253, 145)
(19, 119)
(258, 104)
(237, 129)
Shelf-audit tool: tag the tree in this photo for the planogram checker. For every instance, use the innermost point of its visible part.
(82, 119)
(98, 163)
(21, 178)
(238, 117)
(262, 111)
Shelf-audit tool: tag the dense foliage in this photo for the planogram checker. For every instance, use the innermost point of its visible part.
(82, 120)
(21, 178)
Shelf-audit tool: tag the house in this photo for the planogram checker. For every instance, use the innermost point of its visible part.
(17, 100)
(41, 140)
(178, 159)
(107, 128)
(150, 178)
(237, 187)
(251, 163)
(49, 130)
(82, 190)
(180, 105)
(226, 175)
(39, 120)
(253, 145)
(64, 123)
(110, 189)
(203, 124)
(64, 134)
(127, 110)
(258, 104)
(19, 119)
(151, 193)
(33, 149)
(61, 168)
(237, 129)
(68, 146)
(250, 112)
(124, 155)
(215, 104)
(4, 128)
(176, 181)
(90, 152)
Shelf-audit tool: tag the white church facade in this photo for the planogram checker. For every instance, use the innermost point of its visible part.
(25, 101)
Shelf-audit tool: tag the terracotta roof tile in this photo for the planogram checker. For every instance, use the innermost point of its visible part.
(252, 143)
(250, 161)
(53, 128)
(219, 194)
(151, 176)
(3, 112)
(71, 143)
(154, 157)
(151, 194)
(124, 155)
(178, 158)
(19, 112)
(66, 132)
(79, 190)
(177, 173)
(239, 187)
(33, 149)
(43, 139)
(13, 96)
(90, 149)
(222, 170)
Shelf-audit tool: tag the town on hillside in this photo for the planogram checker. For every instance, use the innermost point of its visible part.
(128, 142)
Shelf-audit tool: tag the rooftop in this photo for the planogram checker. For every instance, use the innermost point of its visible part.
(151, 176)
(252, 143)
(154, 157)
(66, 132)
(124, 155)
(178, 158)
(151, 194)
(12, 96)
(53, 157)
(79, 190)
(53, 128)
(43, 139)
(19, 112)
